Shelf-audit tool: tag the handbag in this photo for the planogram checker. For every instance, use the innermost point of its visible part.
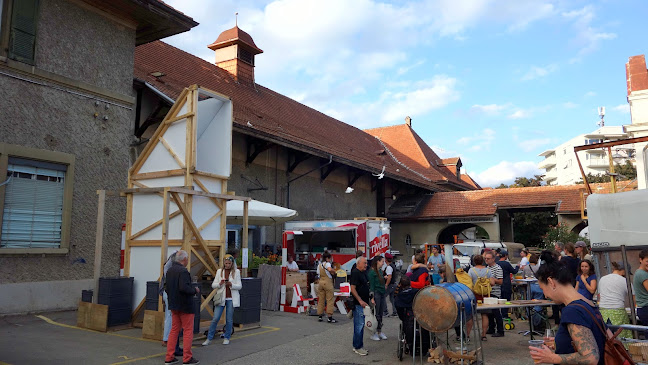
(370, 319)
(218, 297)
(614, 353)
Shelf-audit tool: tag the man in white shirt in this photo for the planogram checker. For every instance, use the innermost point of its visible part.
(292, 265)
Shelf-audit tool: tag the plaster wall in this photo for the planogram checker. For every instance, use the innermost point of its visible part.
(571, 220)
(79, 45)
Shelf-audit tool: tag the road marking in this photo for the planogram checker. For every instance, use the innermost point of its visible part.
(88, 330)
(4, 363)
(142, 358)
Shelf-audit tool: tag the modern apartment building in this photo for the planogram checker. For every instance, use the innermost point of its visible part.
(560, 162)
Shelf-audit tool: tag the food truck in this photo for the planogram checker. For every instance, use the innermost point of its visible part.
(307, 240)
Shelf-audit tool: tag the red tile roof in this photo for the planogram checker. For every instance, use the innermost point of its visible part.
(233, 35)
(566, 199)
(469, 180)
(274, 116)
(410, 149)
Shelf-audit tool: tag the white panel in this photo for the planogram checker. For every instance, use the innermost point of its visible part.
(164, 181)
(145, 266)
(207, 110)
(159, 160)
(215, 143)
(176, 137)
(618, 219)
(203, 209)
(212, 184)
(147, 209)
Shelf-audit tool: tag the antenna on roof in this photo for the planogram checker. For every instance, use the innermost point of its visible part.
(236, 18)
(601, 113)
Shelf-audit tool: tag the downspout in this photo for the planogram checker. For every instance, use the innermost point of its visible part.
(302, 175)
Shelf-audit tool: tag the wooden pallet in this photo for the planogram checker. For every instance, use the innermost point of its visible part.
(247, 327)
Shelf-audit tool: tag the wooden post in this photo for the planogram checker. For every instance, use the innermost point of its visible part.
(165, 238)
(98, 243)
(244, 244)
(612, 176)
(633, 314)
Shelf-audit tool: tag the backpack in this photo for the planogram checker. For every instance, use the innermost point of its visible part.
(464, 278)
(482, 286)
(396, 275)
(613, 353)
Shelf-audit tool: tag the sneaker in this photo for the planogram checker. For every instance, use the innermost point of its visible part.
(394, 315)
(361, 352)
(331, 320)
(169, 362)
(207, 342)
(497, 334)
(320, 319)
(375, 337)
(383, 336)
(350, 314)
(192, 361)
(226, 341)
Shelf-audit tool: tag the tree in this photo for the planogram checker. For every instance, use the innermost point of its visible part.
(560, 233)
(625, 172)
(523, 182)
(529, 228)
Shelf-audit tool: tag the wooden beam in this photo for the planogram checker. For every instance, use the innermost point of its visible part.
(204, 188)
(152, 243)
(610, 144)
(158, 174)
(173, 154)
(98, 243)
(612, 174)
(259, 147)
(207, 299)
(202, 260)
(193, 228)
(295, 158)
(209, 195)
(207, 174)
(179, 118)
(580, 167)
(325, 172)
(170, 216)
(211, 220)
(165, 237)
(244, 244)
(354, 176)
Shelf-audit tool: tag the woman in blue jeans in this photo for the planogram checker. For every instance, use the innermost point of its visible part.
(227, 283)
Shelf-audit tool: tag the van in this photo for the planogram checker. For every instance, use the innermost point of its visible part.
(467, 249)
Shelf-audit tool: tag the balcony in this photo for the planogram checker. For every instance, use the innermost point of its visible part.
(547, 162)
(597, 163)
(550, 176)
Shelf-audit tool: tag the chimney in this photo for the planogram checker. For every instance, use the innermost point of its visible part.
(408, 121)
(234, 52)
(636, 74)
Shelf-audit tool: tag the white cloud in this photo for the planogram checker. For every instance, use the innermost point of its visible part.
(590, 94)
(536, 72)
(623, 108)
(531, 144)
(587, 37)
(405, 69)
(506, 172)
(480, 141)
(569, 105)
(490, 109)
(519, 114)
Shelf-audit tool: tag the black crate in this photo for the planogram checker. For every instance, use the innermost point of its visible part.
(151, 305)
(250, 285)
(152, 289)
(118, 316)
(86, 296)
(116, 302)
(116, 286)
(246, 316)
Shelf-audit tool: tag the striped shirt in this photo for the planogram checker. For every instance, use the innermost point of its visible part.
(497, 273)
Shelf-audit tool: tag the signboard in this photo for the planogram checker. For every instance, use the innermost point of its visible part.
(245, 258)
(491, 219)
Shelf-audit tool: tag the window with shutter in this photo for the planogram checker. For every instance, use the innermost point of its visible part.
(22, 37)
(33, 204)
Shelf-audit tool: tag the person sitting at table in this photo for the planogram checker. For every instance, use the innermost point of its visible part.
(292, 265)
(586, 281)
(579, 339)
(613, 292)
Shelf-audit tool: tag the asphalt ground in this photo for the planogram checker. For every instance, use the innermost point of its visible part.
(284, 338)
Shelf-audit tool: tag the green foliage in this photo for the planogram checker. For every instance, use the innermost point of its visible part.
(560, 233)
(626, 172)
(524, 182)
(530, 227)
(255, 261)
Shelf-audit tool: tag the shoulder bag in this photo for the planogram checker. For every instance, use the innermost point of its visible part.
(614, 353)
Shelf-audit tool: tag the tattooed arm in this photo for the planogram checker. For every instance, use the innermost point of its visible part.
(587, 351)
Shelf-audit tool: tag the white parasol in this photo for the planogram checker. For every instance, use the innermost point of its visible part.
(259, 213)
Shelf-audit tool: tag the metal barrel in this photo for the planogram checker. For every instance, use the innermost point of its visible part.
(437, 307)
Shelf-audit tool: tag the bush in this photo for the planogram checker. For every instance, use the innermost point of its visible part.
(560, 233)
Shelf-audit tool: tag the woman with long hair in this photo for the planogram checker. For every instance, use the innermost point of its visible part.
(580, 248)
(579, 339)
(571, 261)
(377, 287)
(228, 277)
(613, 292)
(586, 281)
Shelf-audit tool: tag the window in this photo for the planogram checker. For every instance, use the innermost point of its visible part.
(18, 32)
(35, 200)
(246, 56)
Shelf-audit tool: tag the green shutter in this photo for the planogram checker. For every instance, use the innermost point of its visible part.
(22, 42)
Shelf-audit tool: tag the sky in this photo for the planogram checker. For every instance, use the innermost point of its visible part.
(493, 82)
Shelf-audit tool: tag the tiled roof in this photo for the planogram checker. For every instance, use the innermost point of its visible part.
(469, 180)
(262, 112)
(566, 199)
(450, 161)
(230, 36)
(410, 149)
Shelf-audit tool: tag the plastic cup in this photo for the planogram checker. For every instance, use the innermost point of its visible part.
(536, 343)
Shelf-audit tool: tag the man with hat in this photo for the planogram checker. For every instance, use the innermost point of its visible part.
(613, 293)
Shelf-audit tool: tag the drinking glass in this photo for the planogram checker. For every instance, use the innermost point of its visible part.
(549, 339)
(536, 343)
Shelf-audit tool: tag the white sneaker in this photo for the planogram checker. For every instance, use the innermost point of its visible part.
(361, 352)
(225, 342)
(382, 336)
(207, 342)
(375, 337)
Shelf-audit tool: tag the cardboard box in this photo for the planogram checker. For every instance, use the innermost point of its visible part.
(300, 278)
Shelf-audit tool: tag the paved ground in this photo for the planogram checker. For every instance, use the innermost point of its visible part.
(284, 338)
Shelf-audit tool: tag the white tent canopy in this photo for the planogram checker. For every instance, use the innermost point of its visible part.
(259, 213)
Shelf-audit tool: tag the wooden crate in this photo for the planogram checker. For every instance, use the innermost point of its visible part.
(153, 327)
(300, 278)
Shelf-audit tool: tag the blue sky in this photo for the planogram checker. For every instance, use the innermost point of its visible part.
(494, 82)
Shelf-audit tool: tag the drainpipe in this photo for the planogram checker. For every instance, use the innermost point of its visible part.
(302, 175)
